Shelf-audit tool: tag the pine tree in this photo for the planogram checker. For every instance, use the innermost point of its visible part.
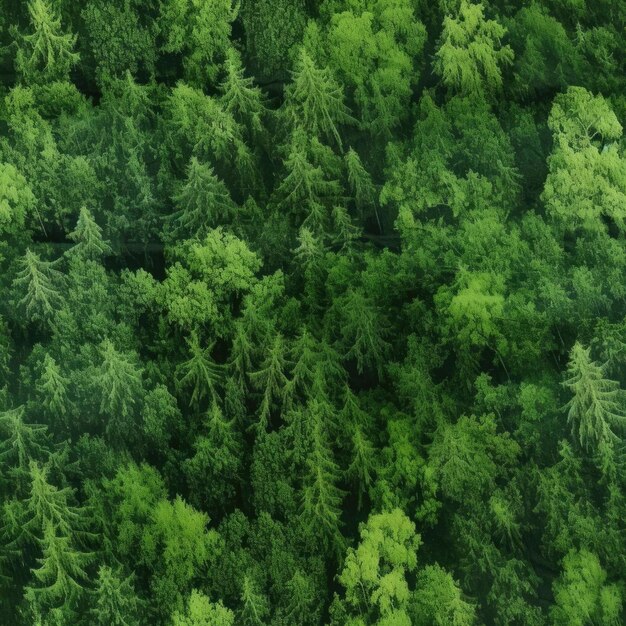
(360, 181)
(115, 601)
(315, 100)
(271, 380)
(46, 54)
(203, 202)
(40, 281)
(61, 577)
(49, 506)
(239, 95)
(363, 463)
(595, 405)
(53, 387)
(301, 607)
(321, 498)
(255, 607)
(199, 372)
(119, 385)
(304, 354)
(88, 237)
(21, 443)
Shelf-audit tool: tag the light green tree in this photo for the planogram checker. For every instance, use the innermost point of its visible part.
(115, 601)
(595, 405)
(200, 372)
(46, 53)
(87, 238)
(53, 387)
(470, 57)
(200, 611)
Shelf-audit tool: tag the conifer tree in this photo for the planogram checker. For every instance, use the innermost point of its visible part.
(315, 100)
(363, 463)
(46, 54)
(360, 181)
(39, 281)
(115, 601)
(595, 405)
(89, 243)
(119, 386)
(239, 95)
(53, 387)
(271, 380)
(21, 443)
(61, 578)
(254, 604)
(321, 498)
(200, 372)
(202, 202)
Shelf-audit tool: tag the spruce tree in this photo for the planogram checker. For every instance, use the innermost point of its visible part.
(89, 243)
(200, 372)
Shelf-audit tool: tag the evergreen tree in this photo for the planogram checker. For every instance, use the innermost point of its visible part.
(315, 100)
(199, 372)
(254, 604)
(595, 404)
(53, 387)
(46, 54)
(271, 380)
(87, 236)
(39, 281)
(202, 202)
(115, 600)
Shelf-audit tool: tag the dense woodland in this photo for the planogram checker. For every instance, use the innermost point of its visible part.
(312, 312)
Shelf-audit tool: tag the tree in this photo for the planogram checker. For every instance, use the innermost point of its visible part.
(360, 182)
(53, 387)
(374, 574)
(315, 100)
(363, 464)
(439, 601)
(202, 202)
(118, 383)
(254, 604)
(46, 54)
(363, 331)
(594, 407)
(271, 380)
(61, 578)
(89, 243)
(240, 97)
(587, 171)
(470, 57)
(115, 600)
(582, 595)
(200, 611)
(16, 200)
(200, 372)
(40, 281)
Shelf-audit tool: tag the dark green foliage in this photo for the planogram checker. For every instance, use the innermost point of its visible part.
(312, 312)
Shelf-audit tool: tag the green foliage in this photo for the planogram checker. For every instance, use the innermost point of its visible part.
(470, 56)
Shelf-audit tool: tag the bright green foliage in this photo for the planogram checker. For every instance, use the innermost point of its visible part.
(582, 594)
(46, 53)
(374, 46)
(200, 611)
(116, 602)
(38, 282)
(375, 573)
(89, 243)
(363, 463)
(16, 200)
(360, 181)
(315, 100)
(203, 202)
(595, 405)
(587, 177)
(439, 601)
(177, 546)
(199, 30)
(470, 56)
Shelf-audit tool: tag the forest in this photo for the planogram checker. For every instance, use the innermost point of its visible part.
(312, 312)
